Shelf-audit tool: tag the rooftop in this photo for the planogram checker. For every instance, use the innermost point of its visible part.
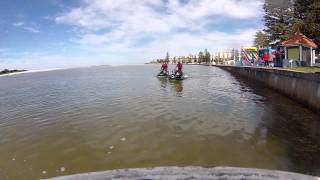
(299, 39)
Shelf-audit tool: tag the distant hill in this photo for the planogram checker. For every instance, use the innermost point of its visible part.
(7, 71)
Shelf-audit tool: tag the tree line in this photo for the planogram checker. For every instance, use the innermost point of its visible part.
(285, 17)
(7, 71)
(204, 57)
(201, 57)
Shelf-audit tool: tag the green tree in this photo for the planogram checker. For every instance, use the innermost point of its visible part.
(307, 18)
(167, 60)
(278, 19)
(200, 59)
(195, 59)
(261, 39)
(174, 60)
(207, 56)
(189, 60)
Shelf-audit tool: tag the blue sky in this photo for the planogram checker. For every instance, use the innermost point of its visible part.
(41, 34)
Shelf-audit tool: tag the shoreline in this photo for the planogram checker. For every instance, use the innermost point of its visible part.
(29, 71)
(13, 73)
(56, 69)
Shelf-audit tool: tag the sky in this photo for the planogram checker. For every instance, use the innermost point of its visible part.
(44, 34)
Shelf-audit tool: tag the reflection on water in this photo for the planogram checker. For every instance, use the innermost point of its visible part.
(299, 131)
(163, 81)
(177, 85)
(100, 118)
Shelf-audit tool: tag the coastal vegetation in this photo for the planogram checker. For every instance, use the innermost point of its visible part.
(201, 57)
(7, 71)
(261, 39)
(283, 18)
(204, 57)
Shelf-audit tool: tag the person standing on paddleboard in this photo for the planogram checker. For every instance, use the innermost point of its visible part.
(164, 67)
(179, 67)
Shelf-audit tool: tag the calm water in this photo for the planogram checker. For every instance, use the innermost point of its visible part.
(100, 118)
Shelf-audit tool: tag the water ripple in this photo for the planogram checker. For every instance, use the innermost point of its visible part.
(71, 118)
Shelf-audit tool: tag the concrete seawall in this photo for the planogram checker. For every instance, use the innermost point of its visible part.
(302, 87)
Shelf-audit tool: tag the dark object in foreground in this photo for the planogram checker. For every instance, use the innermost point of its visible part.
(183, 173)
(7, 71)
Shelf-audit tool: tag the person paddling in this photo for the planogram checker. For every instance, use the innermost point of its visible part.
(179, 68)
(164, 68)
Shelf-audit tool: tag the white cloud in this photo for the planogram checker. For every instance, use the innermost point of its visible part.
(185, 43)
(177, 44)
(155, 15)
(32, 27)
(18, 24)
(127, 19)
(133, 31)
(122, 52)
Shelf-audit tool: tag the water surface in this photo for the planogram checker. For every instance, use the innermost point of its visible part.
(100, 118)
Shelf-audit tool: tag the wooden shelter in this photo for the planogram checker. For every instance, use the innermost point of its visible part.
(300, 48)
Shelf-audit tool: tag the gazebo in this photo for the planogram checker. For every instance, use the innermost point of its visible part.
(300, 48)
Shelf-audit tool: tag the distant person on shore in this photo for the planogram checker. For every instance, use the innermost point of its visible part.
(266, 59)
